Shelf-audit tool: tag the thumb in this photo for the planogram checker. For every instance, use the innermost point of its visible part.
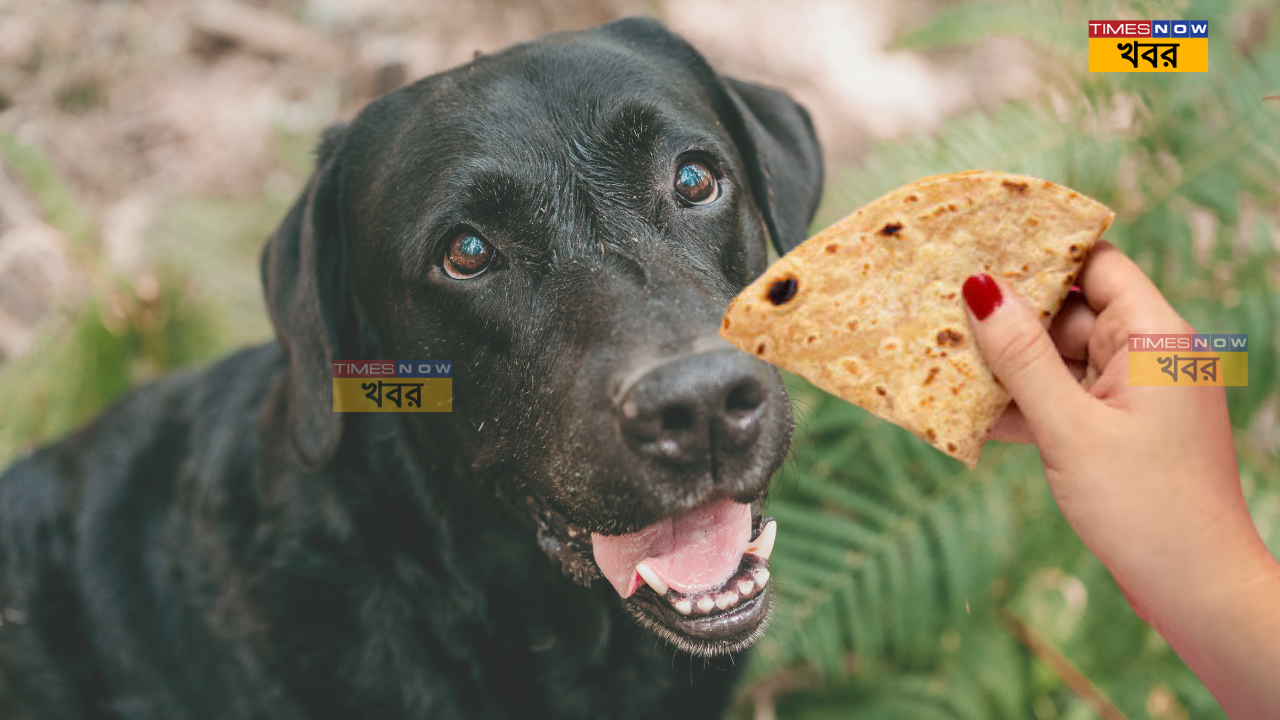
(1022, 356)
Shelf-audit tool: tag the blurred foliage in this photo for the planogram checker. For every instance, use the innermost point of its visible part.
(61, 208)
(116, 331)
(198, 297)
(901, 576)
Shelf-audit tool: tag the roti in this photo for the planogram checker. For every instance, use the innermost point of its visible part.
(870, 309)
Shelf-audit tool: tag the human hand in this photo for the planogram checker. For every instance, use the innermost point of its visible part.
(1146, 476)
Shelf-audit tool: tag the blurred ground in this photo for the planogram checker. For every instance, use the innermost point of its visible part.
(184, 129)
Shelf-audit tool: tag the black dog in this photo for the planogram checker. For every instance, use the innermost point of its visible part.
(565, 221)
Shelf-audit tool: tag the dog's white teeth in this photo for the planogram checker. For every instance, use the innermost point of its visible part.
(724, 601)
(762, 547)
(745, 587)
(705, 603)
(684, 607)
(761, 576)
(651, 579)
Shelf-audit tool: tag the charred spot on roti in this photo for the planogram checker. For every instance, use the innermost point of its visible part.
(881, 391)
(933, 373)
(1031, 221)
(832, 248)
(890, 345)
(782, 290)
(911, 198)
(1015, 186)
(891, 229)
(949, 338)
(853, 326)
(760, 349)
(725, 322)
(951, 447)
(930, 435)
(1045, 313)
(811, 339)
(850, 365)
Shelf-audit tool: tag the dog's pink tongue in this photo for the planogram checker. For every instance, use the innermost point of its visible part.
(692, 552)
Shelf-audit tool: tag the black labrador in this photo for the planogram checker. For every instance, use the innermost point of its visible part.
(565, 221)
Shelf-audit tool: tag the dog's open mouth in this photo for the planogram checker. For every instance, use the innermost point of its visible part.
(699, 579)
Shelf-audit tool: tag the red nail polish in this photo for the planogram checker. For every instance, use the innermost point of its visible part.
(982, 294)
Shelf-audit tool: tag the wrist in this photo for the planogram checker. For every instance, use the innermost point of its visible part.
(1230, 638)
(1215, 581)
(1193, 540)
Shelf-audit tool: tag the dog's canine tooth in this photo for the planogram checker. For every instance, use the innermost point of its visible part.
(651, 578)
(705, 603)
(727, 600)
(745, 587)
(762, 547)
(761, 576)
(684, 607)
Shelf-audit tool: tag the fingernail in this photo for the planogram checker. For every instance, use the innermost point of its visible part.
(982, 294)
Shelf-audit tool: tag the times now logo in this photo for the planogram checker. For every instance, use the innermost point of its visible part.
(1193, 343)
(1148, 29)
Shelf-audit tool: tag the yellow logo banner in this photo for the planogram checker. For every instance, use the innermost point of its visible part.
(394, 395)
(1148, 55)
(1187, 368)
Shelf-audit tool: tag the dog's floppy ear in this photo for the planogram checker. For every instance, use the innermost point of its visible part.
(783, 159)
(304, 278)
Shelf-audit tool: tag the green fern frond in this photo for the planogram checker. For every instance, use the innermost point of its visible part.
(884, 544)
(980, 678)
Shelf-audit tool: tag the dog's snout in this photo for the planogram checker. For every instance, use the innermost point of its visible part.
(683, 411)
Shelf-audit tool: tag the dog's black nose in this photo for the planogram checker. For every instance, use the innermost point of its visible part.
(683, 410)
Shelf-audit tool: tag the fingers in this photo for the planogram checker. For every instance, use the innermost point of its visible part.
(1011, 427)
(1023, 357)
(1108, 275)
(1126, 303)
(1072, 327)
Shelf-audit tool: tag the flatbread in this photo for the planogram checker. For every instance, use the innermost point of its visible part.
(870, 309)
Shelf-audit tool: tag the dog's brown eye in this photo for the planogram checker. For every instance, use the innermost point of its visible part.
(468, 256)
(696, 184)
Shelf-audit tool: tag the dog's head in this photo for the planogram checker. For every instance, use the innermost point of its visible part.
(566, 221)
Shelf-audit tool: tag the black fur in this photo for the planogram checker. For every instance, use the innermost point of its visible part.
(221, 545)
